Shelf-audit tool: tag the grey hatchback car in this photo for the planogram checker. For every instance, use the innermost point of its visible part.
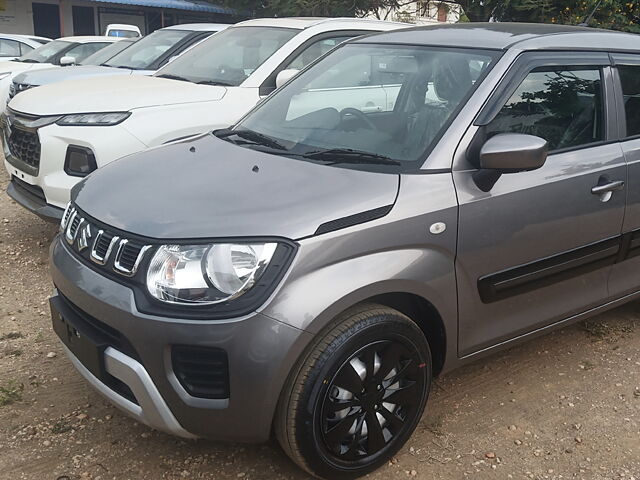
(410, 202)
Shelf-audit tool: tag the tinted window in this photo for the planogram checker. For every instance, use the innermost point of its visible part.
(148, 49)
(316, 50)
(230, 56)
(106, 53)
(82, 51)
(630, 78)
(562, 106)
(351, 100)
(46, 52)
(9, 48)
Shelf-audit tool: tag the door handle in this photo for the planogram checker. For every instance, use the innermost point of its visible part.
(608, 187)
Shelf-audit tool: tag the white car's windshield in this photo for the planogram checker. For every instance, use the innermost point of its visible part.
(148, 49)
(229, 57)
(46, 52)
(106, 53)
(366, 104)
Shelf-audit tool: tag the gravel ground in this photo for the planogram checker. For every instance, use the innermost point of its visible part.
(566, 406)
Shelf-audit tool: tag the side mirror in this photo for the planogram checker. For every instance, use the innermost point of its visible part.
(285, 75)
(509, 153)
(66, 61)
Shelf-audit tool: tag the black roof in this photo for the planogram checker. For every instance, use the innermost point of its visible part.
(499, 35)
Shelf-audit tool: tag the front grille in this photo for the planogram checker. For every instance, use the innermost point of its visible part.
(110, 336)
(25, 146)
(32, 190)
(202, 371)
(100, 245)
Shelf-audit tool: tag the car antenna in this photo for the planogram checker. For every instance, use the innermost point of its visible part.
(588, 18)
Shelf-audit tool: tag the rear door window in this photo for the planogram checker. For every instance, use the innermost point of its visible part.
(630, 79)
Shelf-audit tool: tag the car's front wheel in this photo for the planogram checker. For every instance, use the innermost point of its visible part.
(357, 395)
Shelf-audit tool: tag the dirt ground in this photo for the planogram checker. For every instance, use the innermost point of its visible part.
(566, 406)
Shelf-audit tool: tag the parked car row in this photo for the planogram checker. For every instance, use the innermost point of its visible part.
(328, 219)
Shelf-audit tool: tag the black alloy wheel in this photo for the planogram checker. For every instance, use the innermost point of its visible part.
(357, 396)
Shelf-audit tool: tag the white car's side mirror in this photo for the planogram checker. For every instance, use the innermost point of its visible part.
(66, 61)
(285, 75)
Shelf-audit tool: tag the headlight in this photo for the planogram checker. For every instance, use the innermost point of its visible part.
(206, 274)
(94, 119)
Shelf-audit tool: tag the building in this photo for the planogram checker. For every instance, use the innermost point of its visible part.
(422, 12)
(57, 18)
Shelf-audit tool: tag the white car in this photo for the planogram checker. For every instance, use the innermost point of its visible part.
(63, 51)
(144, 58)
(14, 46)
(122, 30)
(57, 134)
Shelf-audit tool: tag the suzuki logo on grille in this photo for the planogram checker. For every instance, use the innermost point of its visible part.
(85, 237)
(80, 234)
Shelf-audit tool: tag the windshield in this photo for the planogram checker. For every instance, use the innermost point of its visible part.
(46, 52)
(366, 104)
(229, 57)
(106, 53)
(148, 49)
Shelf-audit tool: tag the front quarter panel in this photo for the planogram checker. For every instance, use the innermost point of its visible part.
(394, 254)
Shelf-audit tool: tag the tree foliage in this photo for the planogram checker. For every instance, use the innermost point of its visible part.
(613, 14)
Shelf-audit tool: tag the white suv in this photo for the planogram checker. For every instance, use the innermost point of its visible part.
(57, 134)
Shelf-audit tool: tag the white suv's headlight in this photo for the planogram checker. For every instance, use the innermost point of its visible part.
(206, 274)
(94, 119)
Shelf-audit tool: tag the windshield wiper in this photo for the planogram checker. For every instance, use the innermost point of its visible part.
(254, 137)
(218, 83)
(28, 60)
(347, 155)
(172, 77)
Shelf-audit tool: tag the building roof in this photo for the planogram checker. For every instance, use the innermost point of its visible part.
(190, 5)
(498, 35)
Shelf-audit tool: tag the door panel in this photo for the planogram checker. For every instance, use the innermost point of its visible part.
(539, 246)
(528, 217)
(624, 276)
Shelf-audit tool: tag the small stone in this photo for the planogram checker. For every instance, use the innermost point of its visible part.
(517, 442)
(46, 443)
(568, 450)
(145, 435)
(513, 428)
(490, 455)
(578, 440)
(82, 416)
(241, 474)
(52, 355)
(413, 473)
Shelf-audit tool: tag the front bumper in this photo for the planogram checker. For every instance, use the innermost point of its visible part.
(106, 143)
(261, 352)
(30, 198)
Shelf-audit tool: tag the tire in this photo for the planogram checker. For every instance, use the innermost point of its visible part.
(357, 395)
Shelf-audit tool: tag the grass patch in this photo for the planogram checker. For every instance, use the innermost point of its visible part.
(604, 330)
(16, 352)
(11, 336)
(10, 393)
(39, 338)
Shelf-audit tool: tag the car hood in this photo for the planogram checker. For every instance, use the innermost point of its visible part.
(112, 94)
(53, 75)
(223, 190)
(15, 67)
